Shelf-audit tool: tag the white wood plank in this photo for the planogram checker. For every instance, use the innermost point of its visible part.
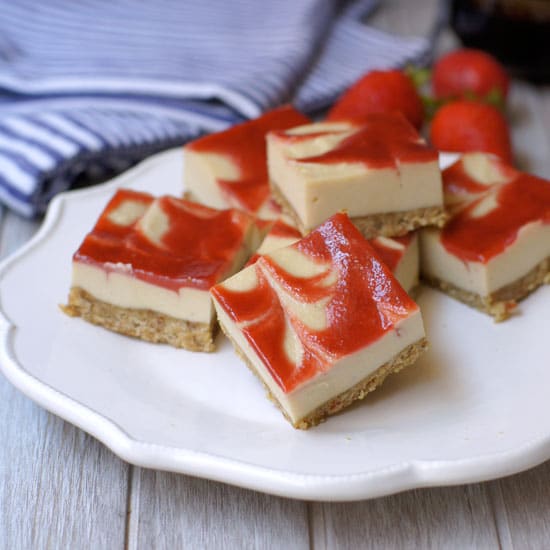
(459, 517)
(59, 488)
(501, 517)
(524, 503)
(176, 511)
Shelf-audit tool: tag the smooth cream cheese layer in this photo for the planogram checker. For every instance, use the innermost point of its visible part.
(201, 174)
(346, 372)
(531, 247)
(406, 271)
(124, 290)
(317, 190)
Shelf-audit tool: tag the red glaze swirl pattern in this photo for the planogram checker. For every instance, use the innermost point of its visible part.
(383, 140)
(392, 255)
(280, 234)
(488, 216)
(196, 248)
(245, 145)
(346, 282)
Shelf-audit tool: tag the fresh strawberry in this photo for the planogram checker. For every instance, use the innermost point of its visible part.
(466, 125)
(380, 92)
(472, 74)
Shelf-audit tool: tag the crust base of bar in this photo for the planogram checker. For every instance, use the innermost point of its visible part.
(141, 323)
(405, 358)
(389, 224)
(500, 304)
(396, 224)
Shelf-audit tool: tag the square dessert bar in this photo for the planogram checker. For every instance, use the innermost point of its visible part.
(495, 249)
(380, 172)
(146, 268)
(229, 169)
(322, 322)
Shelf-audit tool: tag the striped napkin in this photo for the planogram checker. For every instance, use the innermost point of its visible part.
(89, 88)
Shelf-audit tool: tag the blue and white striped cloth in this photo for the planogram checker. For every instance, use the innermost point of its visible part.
(89, 88)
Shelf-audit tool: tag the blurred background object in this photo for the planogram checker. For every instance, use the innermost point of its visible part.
(517, 32)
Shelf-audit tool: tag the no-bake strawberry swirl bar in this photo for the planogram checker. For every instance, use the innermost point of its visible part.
(322, 322)
(380, 172)
(146, 267)
(495, 249)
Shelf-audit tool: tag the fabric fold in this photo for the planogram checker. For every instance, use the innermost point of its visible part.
(88, 90)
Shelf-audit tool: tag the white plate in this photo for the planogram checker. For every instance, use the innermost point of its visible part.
(475, 407)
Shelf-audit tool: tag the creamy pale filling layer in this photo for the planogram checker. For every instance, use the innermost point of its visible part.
(346, 372)
(316, 191)
(531, 247)
(406, 271)
(124, 290)
(201, 174)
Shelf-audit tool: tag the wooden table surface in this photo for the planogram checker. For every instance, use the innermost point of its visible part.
(60, 488)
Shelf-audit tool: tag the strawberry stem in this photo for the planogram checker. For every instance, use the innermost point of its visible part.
(419, 75)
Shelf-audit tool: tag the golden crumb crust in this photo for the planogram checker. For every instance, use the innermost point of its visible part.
(141, 323)
(388, 224)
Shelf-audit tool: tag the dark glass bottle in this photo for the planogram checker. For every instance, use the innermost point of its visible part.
(517, 32)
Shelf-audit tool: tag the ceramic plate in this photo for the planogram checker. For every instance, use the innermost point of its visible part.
(473, 408)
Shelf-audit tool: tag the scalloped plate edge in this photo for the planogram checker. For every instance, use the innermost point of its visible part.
(345, 487)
